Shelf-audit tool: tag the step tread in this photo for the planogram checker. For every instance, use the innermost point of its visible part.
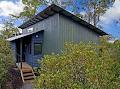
(26, 70)
(28, 74)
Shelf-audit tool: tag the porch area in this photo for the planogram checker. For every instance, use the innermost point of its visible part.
(28, 47)
(27, 50)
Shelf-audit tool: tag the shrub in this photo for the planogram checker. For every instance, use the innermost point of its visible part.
(82, 66)
(6, 61)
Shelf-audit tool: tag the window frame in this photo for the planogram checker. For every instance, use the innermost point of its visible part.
(40, 52)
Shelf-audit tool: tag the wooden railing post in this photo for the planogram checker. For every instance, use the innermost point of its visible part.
(21, 64)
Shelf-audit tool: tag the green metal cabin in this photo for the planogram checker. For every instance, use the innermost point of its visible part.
(47, 32)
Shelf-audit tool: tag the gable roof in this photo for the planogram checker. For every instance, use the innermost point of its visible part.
(53, 9)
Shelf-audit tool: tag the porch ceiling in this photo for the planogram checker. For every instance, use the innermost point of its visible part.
(21, 36)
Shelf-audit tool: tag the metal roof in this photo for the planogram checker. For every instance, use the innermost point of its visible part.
(53, 9)
(22, 35)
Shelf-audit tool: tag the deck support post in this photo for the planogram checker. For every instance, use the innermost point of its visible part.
(21, 53)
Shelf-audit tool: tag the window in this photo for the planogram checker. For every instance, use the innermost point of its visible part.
(37, 48)
(30, 30)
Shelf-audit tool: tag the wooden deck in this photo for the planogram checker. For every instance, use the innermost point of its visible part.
(27, 73)
(24, 65)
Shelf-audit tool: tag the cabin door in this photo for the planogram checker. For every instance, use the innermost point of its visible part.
(26, 48)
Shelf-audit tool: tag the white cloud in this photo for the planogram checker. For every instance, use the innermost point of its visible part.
(112, 14)
(9, 7)
(83, 13)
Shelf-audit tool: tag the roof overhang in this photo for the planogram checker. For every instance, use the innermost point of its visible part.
(53, 9)
(21, 36)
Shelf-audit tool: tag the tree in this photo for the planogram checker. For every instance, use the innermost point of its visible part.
(61, 3)
(31, 7)
(94, 9)
(6, 61)
(8, 29)
(82, 66)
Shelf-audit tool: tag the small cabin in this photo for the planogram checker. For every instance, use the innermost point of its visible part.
(47, 32)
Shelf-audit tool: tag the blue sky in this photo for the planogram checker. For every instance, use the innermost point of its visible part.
(107, 21)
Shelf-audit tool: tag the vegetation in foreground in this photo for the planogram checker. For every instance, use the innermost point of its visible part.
(82, 66)
(6, 62)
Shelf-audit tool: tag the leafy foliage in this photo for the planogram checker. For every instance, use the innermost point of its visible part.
(82, 66)
(93, 9)
(32, 6)
(30, 9)
(6, 61)
(8, 29)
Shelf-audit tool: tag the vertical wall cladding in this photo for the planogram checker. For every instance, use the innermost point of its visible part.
(58, 29)
(30, 57)
(71, 31)
(36, 38)
(51, 35)
(48, 38)
(50, 27)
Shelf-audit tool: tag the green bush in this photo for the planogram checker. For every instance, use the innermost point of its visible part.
(6, 61)
(82, 66)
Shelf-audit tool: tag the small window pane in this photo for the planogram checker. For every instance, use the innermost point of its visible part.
(37, 48)
(30, 30)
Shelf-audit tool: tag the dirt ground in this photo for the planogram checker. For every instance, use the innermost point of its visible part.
(15, 81)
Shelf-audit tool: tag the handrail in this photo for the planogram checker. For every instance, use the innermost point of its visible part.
(19, 58)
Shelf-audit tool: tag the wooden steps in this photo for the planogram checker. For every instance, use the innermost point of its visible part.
(27, 73)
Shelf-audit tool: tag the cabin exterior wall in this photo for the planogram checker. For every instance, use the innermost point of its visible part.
(46, 37)
(50, 27)
(71, 31)
(58, 29)
(36, 38)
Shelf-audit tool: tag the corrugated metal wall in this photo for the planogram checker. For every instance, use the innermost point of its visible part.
(71, 31)
(34, 59)
(51, 34)
(50, 27)
(59, 29)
